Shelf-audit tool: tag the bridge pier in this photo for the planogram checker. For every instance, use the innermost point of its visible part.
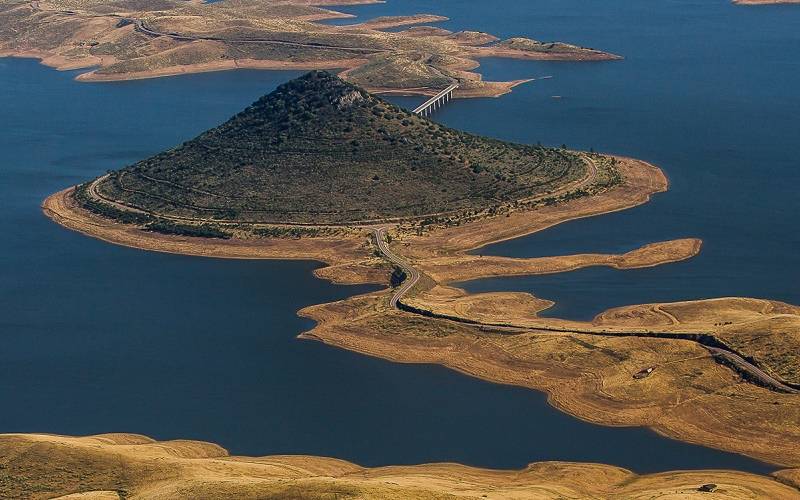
(428, 107)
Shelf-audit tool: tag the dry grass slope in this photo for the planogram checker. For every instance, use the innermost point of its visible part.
(123, 466)
(140, 39)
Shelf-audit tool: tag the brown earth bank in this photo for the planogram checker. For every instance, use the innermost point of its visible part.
(470, 267)
(264, 64)
(641, 180)
(512, 53)
(117, 466)
(348, 250)
(672, 385)
(350, 246)
(487, 89)
(597, 371)
(130, 39)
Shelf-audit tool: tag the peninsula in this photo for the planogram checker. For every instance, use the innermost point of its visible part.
(130, 39)
(321, 169)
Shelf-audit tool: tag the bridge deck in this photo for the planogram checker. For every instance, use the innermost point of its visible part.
(433, 100)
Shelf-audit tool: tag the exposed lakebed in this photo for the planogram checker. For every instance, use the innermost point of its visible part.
(99, 338)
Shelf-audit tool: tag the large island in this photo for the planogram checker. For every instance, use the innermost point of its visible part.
(321, 169)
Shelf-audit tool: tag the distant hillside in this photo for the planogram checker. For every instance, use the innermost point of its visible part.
(320, 150)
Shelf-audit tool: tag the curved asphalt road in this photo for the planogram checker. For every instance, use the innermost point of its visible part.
(730, 357)
(757, 373)
(412, 275)
(141, 27)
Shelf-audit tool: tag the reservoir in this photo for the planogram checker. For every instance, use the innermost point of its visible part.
(99, 338)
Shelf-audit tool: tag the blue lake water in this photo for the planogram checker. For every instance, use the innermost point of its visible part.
(99, 338)
(707, 91)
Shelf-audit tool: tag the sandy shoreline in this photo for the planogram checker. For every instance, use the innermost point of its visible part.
(588, 377)
(61, 208)
(641, 178)
(689, 397)
(587, 384)
(119, 45)
(228, 65)
(59, 63)
(472, 267)
(482, 52)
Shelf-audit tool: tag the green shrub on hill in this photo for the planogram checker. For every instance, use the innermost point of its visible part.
(321, 150)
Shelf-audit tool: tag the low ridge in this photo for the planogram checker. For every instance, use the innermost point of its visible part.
(319, 150)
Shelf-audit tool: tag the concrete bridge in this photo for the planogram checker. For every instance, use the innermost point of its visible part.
(436, 102)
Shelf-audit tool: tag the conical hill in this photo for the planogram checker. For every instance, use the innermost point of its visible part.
(321, 150)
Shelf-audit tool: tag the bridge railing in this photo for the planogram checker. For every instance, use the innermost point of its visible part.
(436, 101)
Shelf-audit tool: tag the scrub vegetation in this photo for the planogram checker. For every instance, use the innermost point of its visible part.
(124, 39)
(319, 150)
